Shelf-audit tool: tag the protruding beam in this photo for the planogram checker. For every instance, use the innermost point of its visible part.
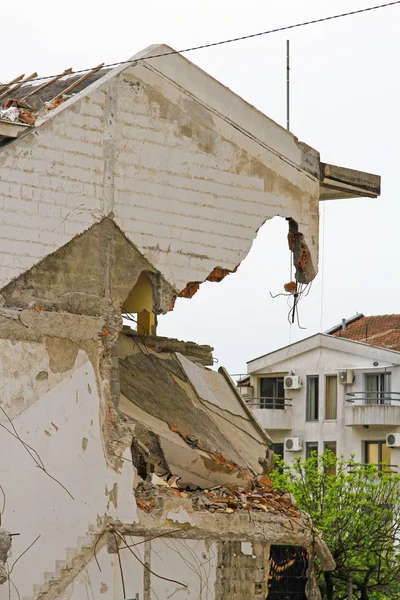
(338, 183)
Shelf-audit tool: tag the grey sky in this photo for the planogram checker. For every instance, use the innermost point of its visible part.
(345, 103)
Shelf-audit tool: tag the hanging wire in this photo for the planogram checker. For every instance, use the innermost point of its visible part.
(227, 41)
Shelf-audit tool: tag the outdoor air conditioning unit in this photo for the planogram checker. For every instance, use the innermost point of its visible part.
(346, 377)
(292, 382)
(393, 440)
(293, 444)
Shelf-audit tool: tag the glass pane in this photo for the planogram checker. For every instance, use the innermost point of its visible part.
(280, 393)
(385, 454)
(384, 395)
(277, 449)
(331, 397)
(312, 399)
(372, 388)
(311, 447)
(267, 391)
(272, 392)
(332, 447)
(372, 453)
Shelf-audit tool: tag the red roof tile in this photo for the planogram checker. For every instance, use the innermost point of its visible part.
(380, 330)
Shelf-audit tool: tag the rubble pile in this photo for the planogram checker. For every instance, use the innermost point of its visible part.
(218, 499)
(262, 498)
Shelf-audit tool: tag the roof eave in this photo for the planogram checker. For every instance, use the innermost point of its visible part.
(337, 183)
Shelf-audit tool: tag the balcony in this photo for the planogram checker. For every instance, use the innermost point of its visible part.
(372, 408)
(272, 413)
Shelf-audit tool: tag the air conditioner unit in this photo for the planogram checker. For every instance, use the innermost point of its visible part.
(292, 382)
(346, 377)
(293, 444)
(393, 440)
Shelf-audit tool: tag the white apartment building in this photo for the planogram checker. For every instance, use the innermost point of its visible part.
(338, 390)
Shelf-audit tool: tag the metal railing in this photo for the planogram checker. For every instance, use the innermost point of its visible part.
(373, 398)
(239, 378)
(268, 403)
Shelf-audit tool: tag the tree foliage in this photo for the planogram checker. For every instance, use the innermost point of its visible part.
(357, 509)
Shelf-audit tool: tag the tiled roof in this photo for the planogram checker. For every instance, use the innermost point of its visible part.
(379, 330)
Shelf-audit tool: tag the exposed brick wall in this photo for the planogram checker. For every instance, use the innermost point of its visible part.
(242, 576)
(189, 197)
(50, 185)
(188, 190)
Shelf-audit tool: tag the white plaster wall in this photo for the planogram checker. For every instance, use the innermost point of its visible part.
(26, 376)
(192, 562)
(93, 584)
(326, 361)
(57, 427)
(182, 181)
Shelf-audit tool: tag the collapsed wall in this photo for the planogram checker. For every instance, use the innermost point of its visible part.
(120, 433)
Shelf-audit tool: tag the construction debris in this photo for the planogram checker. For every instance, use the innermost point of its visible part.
(219, 499)
(9, 114)
(44, 94)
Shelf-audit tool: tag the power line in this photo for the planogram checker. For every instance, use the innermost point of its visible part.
(230, 40)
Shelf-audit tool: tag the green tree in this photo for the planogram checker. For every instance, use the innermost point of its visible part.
(357, 509)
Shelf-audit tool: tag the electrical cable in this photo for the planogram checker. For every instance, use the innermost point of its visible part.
(322, 237)
(226, 41)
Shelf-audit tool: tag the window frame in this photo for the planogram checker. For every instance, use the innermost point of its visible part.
(384, 387)
(308, 415)
(380, 444)
(277, 379)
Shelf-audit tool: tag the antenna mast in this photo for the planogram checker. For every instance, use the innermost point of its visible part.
(288, 85)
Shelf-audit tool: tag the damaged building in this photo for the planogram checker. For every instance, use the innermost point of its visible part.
(129, 468)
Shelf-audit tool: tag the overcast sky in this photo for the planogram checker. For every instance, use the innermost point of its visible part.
(345, 103)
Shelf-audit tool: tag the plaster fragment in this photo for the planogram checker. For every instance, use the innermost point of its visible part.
(181, 516)
(247, 548)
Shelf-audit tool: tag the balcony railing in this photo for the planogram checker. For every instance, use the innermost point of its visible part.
(269, 403)
(272, 413)
(373, 398)
(372, 409)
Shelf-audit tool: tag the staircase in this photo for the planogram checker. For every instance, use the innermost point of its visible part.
(76, 559)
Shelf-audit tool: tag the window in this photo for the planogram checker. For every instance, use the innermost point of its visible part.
(377, 387)
(312, 398)
(331, 397)
(331, 446)
(311, 447)
(272, 393)
(377, 453)
(277, 449)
